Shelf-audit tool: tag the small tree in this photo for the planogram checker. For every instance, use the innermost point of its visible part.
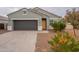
(58, 25)
(72, 16)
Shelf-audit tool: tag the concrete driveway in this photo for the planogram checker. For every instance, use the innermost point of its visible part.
(18, 41)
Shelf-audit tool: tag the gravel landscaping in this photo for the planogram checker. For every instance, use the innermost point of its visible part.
(42, 40)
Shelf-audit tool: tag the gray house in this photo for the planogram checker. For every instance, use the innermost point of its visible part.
(31, 19)
(3, 23)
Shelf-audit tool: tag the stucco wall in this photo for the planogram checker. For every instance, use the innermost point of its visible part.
(3, 21)
(20, 14)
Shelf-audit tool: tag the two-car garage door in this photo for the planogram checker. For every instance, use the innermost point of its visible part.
(25, 24)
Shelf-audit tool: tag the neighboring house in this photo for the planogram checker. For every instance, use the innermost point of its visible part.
(31, 19)
(3, 23)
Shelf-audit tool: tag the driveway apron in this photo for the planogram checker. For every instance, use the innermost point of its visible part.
(18, 41)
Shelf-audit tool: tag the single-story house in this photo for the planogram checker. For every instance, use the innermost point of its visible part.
(31, 19)
(3, 23)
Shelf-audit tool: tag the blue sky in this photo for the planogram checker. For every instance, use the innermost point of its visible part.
(61, 11)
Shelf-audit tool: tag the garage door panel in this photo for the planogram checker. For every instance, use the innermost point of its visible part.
(25, 25)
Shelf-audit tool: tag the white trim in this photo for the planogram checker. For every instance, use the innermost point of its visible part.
(5, 25)
(24, 18)
(39, 28)
(9, 27)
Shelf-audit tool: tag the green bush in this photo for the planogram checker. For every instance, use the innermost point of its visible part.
(58, 25)
(63, 42)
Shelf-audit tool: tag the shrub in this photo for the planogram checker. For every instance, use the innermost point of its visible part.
(63, 42)
(58, 25)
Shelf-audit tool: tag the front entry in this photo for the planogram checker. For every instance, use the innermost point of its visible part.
(44, 24)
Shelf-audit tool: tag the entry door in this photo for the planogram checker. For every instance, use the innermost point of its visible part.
(44, 24)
